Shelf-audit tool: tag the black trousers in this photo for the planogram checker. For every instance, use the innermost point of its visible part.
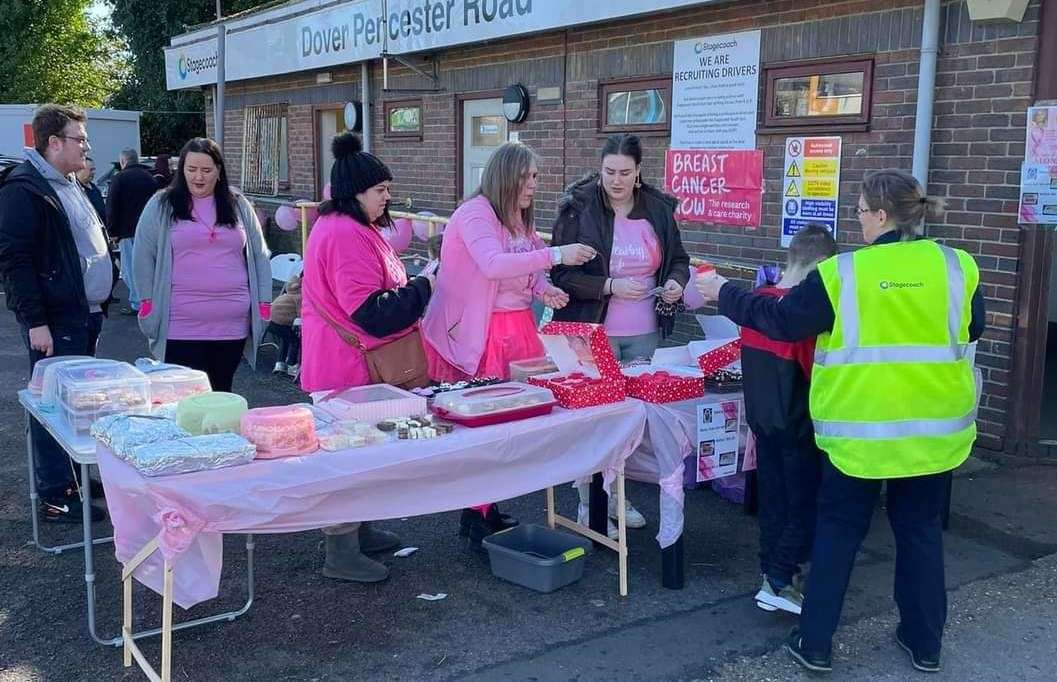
(218, 359)
(787, 473)
(289, 343)
(845, 508)
(51, 465)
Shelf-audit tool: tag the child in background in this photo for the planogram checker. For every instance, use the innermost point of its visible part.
(285, 309)
(776, 380)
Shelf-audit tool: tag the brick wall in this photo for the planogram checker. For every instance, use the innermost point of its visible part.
(983, 89)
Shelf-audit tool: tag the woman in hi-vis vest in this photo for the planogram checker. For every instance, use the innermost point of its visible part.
(893, 399)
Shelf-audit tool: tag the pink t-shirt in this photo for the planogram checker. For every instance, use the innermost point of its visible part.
(210, 282)
(515, 293)
(636, 254)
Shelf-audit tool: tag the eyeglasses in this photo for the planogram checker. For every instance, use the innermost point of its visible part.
(83, 141)
(860, 210)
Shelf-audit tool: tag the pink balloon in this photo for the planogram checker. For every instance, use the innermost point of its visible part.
(421, 227)
(326, 191)
(288, 218)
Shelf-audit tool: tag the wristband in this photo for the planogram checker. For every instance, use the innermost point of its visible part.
(556, 255)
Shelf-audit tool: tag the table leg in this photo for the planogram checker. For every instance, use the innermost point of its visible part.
(673, 565)
(550, 508)
(89, 554)
(33, 486)
(166, 625)
(622, 536)
(599, 512)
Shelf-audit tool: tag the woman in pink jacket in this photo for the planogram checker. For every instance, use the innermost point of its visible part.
(492, 265)
(354, 282)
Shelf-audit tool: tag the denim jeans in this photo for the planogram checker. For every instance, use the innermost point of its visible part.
(845, 509)
(52, 467)
(125, 245)
(628, 348)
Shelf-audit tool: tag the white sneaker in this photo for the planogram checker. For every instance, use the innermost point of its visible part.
(583, 517)
(292, 370)
(787, 599)
(280, 368)
(764, 588)
(632, 517)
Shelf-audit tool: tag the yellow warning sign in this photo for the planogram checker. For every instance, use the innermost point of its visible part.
(827, 167)
(821, 188)
(791, 190)
(794, 171)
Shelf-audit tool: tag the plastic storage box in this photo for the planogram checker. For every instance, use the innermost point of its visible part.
(36, 382)
(173, 384)
(372, 403)
(494, 404)
(86, 390)
(214, 412)
(284, 431)
(523, 369)
(537, 557)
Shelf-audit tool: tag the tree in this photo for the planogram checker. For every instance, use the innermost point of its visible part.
(52, 53)
(147, 26)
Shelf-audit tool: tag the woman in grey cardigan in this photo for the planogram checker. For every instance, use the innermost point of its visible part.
(202, 264)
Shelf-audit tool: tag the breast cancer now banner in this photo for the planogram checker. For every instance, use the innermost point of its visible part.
(723, 187)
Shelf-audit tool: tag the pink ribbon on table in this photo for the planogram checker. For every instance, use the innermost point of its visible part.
(178, 531)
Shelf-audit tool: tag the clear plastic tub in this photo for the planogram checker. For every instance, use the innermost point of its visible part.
(214, 412)
(176, 383)
(523, 369)
(494, 404)
(284, 431)
(371, 403)
(85, 390)
(36, 382)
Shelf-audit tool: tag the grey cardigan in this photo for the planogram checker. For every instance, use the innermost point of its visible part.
(152, 269)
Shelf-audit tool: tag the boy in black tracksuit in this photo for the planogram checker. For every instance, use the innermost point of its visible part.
(776, 379)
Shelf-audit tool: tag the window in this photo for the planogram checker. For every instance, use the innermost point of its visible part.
(404, 119)
(266, 157)
(635, 105)
(819, 93)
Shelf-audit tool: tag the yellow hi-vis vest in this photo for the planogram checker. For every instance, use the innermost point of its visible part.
(892, 391)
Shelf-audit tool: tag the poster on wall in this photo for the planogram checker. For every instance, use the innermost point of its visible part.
(715, 91)
(810, 184)
(1038, 173)
(723, 187)
(718, 430)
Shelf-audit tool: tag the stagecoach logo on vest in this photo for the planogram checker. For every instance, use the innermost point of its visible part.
(892, 284)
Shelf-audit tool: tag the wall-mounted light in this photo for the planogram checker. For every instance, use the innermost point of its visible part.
(997, 10)
(515, 103)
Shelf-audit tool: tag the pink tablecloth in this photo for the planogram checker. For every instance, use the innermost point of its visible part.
(189, 513)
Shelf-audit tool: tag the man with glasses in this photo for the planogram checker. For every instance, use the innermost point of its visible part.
(56, 272)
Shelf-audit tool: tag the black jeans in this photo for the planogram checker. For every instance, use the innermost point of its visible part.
(289, 343)
(51, 465)
(218, 359)
(787, 473)
(845, 508)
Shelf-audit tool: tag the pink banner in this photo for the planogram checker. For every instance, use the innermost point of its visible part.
(724, 187)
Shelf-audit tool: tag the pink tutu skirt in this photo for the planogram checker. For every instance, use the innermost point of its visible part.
(511, 336)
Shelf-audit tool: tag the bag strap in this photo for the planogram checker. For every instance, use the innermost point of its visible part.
(346, 336)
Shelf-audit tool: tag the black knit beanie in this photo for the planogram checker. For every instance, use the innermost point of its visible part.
(354, 170)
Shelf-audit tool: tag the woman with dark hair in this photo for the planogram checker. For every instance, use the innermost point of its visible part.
(633, 227)
(162, 172)
(356, 298)
(203, 266)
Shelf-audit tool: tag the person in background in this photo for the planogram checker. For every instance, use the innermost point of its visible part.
(57, 276)
(632, 225)
(494, 263)
(285, 309)
(162, 172)
(86, 177)
(892, 400)
(354, 289)
(777, 376)
(129, 191)
(202, 266)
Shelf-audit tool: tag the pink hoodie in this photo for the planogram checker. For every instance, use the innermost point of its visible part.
(473, 260)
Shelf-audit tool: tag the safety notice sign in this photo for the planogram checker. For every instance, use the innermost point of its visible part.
(810, 184)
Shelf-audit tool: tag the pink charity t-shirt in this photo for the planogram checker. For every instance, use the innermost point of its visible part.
(515, 293)
(636, 254)
(210, 281)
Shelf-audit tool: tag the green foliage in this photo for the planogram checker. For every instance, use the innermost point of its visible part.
(148, 25)
(51, 53)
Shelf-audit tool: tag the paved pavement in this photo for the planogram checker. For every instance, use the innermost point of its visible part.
(1001, 553)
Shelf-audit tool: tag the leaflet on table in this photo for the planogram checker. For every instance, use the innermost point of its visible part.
(718, 430)
(719, 331)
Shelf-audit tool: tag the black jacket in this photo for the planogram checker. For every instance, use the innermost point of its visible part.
(806, 310)
(128, 194)
(96, 197)
(39, 264)
(584, 217)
